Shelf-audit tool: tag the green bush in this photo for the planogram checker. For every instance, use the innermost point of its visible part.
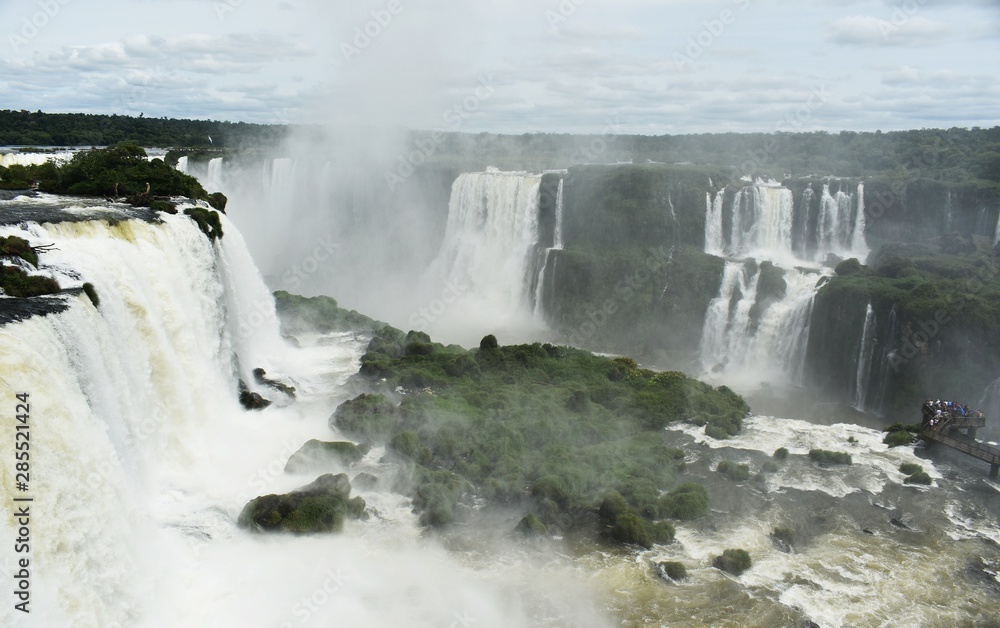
(632, 529)
(367, 417)
(824, 456)
(783, 535)
(686, 502)
(909, 468)
(208, 221)
(734, 471)
(531, 525)
(406, 444)
(781, 453)
(13, 246)
(17, 283)
(898, 439)
(734, 561)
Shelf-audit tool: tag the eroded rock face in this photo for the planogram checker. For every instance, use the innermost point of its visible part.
(321, 506)
(317, 455)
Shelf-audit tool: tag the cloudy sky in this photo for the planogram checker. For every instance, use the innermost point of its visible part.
(636, 66)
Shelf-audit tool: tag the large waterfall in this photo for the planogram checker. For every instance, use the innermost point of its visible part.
(754, 338)
(142, 458)
(491, 263)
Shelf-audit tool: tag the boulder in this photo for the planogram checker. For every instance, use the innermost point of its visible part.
(317, 455)
(318, 507)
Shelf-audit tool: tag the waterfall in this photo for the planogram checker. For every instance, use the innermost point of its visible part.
(762, 216)
(182, 164)
(214, 182)
(863, 363)
(34, 159)
(726, 326)
(714, 241)
(126, 398)
(841, 224)
(557, 245)
(996, 235)
(490, 253)
(557, 239)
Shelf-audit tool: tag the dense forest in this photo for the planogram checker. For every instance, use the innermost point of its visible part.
(24, 128)
(954, 155)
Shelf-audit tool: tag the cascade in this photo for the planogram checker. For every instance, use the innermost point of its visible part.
(489, 255)
(557, 245)
(996, 235)
(714, 240)
(214, 182)
(863, 363)
(182, 164)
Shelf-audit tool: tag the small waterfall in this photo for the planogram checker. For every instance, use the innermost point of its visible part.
(714, 240)
(214, 182)
(557, 245)
(182, 164)
(989, 402)
(715, 333)
(886, 353)
(863, 363)
(762, 217)
(859, 244)
(802, 239)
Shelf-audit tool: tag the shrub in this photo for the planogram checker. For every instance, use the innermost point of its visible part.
(488, 343)
(673, 570)
(630, 528)
(17, 283)
(208, 221)
(716, 432)
(898, 439)
(848, 267)
(406, 444)
(909, 468)
(781, 453)
(734, 471)
(920, 477)
(13, 246)
(824, 456)
(366, 417)
(218, 201)
(734, 561)
(531, 525)
(686, 502)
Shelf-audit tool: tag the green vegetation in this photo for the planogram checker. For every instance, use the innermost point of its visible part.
(686, 502)
(17, 283)
(557, 431)
(318, 507)
(13, 246)
(909, 468)
(321, 314)
(734, 471)
(900, 434)
(208, 221)
(25, 128)
(781, 453)
(673, 569)
(824, 456)
(91, 292)
(733, 561)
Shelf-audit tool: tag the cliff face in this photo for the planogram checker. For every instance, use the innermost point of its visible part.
(633, 277)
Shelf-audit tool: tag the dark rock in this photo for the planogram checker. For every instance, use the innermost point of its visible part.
(671, 570)
(260, 375)
(320, 506)
(251, 400)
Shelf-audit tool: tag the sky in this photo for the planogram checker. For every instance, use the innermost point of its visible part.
(513, 66)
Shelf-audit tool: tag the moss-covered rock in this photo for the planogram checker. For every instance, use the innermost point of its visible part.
(733, 561)
(530, 525)
(734, 471)
(321, 506)
(672, 570)
(781, 453)
(319, 314)
(208, 221)
(13, 246)
(317, 455)
(91, 292)
(686, 502)
(920, 477)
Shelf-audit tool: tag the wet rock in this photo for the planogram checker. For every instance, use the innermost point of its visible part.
(321, 506)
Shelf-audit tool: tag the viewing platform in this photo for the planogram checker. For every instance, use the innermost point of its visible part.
(959, 432)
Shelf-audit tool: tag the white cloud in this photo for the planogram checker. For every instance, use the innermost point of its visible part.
(868, 30)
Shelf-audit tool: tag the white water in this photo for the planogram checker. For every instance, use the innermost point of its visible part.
(488, 256)
(763, 219)
(996, 235)
(557, 245)
(34, 159)
(182, 164)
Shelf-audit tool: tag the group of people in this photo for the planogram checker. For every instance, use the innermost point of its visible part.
(937, 412)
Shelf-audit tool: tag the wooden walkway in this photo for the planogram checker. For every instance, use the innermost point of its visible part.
(948, 433)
